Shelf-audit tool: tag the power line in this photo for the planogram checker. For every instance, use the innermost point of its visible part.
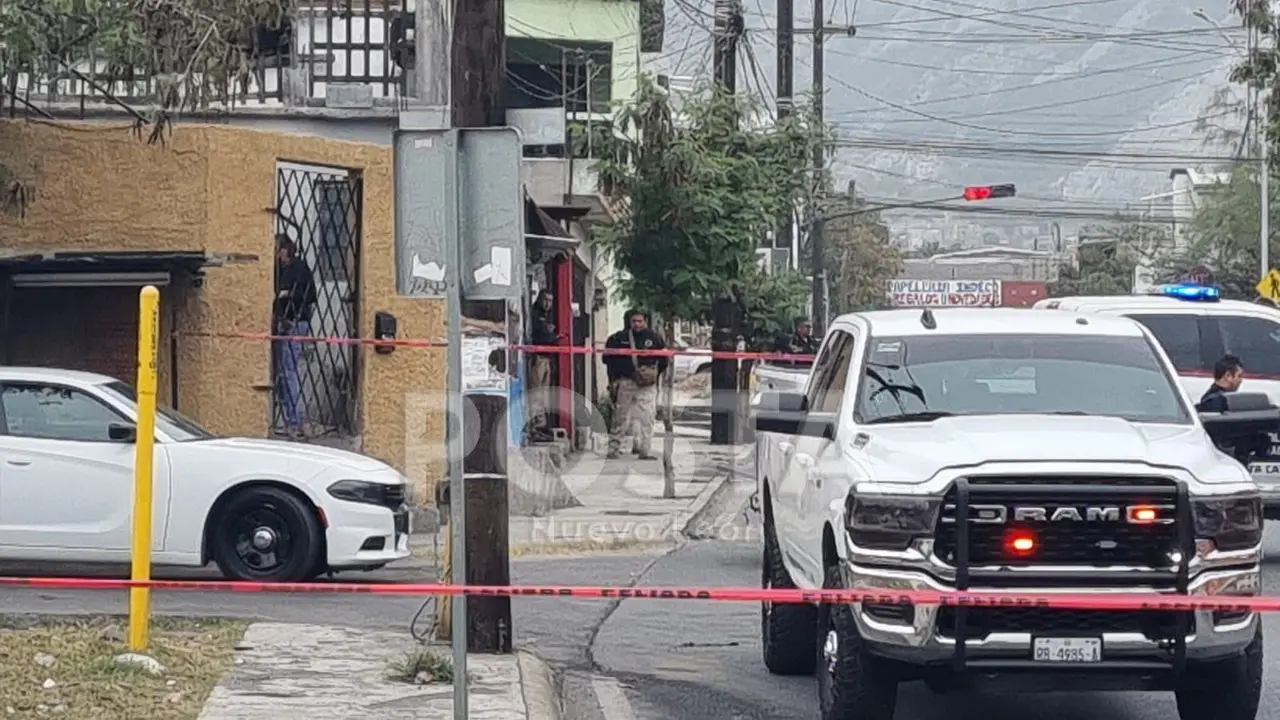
(1005, 112)
(941, 146)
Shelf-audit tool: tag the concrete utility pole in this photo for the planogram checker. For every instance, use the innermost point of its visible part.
(817, 239)
(479, 63)
(817, 242)
(725, 428)
(432, 38)
(786, 20)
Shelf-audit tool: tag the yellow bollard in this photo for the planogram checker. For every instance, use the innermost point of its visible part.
(144, 452)
(444, 603)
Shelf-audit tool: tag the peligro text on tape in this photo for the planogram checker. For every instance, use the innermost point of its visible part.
(1061, 601)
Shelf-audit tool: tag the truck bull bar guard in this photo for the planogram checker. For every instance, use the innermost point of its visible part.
(1178, 575)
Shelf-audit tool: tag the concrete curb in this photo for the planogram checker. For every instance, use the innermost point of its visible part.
(715, 489)
(538, 685)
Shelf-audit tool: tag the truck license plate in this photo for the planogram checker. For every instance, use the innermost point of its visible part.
(1067, 650)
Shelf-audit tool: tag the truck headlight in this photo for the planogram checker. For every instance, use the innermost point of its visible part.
(889, 522)
(1233, 523)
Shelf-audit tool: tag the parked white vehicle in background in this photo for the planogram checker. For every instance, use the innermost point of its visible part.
(690, 362)
(260, 509)
(1196, 328)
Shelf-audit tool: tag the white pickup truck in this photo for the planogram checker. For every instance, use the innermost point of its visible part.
(996, 450)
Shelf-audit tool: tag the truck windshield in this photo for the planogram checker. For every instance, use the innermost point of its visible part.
(922, 376)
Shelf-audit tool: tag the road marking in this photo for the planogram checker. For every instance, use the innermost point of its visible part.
(612, 699)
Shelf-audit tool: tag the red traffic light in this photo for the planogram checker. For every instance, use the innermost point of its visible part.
(987, 192)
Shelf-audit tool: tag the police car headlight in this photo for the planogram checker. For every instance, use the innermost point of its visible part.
(889, 522)
(1233, 523)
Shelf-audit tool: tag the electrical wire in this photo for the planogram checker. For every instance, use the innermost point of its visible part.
(1005, 112)
(1047, 33)
(960, 121)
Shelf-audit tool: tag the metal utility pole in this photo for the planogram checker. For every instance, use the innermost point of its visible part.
(1264, 184)
(433, 48)
(724, 312)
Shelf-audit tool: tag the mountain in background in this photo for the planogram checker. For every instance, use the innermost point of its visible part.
(1085, 104)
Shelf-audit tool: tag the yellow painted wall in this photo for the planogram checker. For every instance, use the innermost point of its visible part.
(213, 188)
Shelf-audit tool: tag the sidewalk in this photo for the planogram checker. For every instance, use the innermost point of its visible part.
(621, 500)
(313, 672)
(620, 504)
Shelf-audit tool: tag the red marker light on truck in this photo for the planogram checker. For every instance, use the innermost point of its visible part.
(1019, 542)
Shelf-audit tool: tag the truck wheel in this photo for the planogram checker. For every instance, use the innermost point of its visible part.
(786, 630)
(853, 684)
(1223, 689)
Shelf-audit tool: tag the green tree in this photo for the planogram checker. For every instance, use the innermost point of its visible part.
(860, 258)
(770, 307)
(1224, 234)
(1258, 70)
(1106, 258)
(697, 189)
(196, 50)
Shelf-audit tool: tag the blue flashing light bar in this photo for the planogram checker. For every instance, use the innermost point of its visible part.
(1187, 291)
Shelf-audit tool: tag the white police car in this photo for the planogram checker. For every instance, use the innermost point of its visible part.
(1197, 327)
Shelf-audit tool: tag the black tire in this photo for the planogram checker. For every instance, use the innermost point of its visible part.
(297, 543)
(853, 684)
(1227, 689)
(786, 631)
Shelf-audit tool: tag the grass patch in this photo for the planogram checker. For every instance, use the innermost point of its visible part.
(423, 665)
(65, 667)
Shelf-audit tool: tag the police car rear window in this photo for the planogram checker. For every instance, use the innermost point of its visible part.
(1180, 337)
(1195, 343)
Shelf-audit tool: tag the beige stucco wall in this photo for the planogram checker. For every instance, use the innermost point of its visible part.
(212, 188)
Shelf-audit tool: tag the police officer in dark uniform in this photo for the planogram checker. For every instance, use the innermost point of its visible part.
(1228, 373)
(801, 342)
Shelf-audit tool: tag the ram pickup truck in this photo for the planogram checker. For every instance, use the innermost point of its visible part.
(995, 450)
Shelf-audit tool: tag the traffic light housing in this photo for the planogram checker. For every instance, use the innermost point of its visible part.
(989, 192)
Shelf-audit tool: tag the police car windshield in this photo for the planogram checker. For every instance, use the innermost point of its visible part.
(1017, 374)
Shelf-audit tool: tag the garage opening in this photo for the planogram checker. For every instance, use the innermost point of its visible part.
(79, 311)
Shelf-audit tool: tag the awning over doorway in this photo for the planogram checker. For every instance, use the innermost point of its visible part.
(126, 268)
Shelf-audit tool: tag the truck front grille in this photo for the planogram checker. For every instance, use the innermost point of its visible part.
(1071, 541)
(982, 621)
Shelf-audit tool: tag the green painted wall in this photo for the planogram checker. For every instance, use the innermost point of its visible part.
(566, 21)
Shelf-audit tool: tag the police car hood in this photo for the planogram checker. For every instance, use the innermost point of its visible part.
(915, 452)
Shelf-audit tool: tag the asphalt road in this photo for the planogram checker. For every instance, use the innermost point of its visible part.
(650, 659)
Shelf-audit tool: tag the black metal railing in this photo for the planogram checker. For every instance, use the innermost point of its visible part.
(357, 42)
